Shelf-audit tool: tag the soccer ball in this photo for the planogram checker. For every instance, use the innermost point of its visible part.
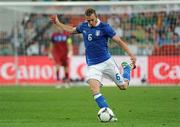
(105, 114)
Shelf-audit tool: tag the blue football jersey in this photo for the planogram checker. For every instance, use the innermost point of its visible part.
(95, 40)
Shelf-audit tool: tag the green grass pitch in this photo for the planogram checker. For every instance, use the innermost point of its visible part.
(75, 107)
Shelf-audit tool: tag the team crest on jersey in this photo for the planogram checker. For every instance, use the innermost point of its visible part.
(84, 31)
(97, 32)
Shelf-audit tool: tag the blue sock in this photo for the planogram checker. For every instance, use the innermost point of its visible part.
(127, 72)
(100, 100)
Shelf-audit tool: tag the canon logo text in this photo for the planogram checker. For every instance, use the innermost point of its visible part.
(164, 71)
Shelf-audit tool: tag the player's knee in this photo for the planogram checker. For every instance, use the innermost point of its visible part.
(95, 90)
(94, 86)
(123, 87)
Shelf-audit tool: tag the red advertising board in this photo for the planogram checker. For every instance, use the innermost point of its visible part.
(26, 69)
(164, 70)
(39, 70)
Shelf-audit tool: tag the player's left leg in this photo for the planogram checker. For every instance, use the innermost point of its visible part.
(66, 80)
(66, 74)
(57, 72)
(113, 72)
(65, 64)
(127, 68)
(126, 73)
(57, 64)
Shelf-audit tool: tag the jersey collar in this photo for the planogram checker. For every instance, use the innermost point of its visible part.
(98, 22)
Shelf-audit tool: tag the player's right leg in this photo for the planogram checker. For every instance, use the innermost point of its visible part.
(65, 63)
(98, 97)
(100, 100)
(57, 72)
(57, 63)
(66, 74)
(94, 77)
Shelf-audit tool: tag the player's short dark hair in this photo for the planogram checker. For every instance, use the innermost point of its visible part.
(89, 12)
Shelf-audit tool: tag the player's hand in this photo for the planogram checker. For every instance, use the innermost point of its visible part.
(53, 19)
(70, 53)
(50, 56)
(133, 62)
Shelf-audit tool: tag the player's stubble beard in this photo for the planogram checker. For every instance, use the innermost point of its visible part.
(92, 26)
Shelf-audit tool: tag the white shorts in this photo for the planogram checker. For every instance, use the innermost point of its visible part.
(107, 69)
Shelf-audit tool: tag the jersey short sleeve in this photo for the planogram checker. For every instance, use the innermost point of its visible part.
(79, 28)
(109, 31)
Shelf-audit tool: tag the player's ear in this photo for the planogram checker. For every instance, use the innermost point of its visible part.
(96, 19)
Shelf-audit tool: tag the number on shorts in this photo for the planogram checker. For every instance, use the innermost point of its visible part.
(118, 76)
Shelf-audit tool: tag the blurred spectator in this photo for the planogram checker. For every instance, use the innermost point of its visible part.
(143, 31)
(81, 46)
(29, 33)
(139, 33)
(114, 20)
(127, 32)
(175, 38)
(5, 45)
(40, 21)
(133, 46)
(33, 49)
(177, 27)
(162, 39)
(119, 30)
(169, 34)
(44, 44)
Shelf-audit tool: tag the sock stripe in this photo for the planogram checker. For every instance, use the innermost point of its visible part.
(97, 95)
(100, 100)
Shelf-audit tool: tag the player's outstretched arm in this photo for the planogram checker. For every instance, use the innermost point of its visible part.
(54, 19)
(123, 45)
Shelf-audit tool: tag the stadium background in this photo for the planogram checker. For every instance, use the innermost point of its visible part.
(151, 30)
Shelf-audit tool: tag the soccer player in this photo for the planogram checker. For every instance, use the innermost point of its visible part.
(98, 58)
(60, 50)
